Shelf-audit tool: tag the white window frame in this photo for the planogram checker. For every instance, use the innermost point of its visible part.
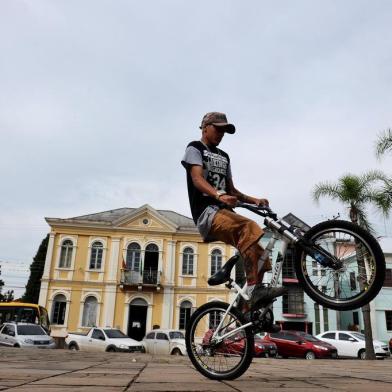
(74, 240)
(103, 241)
(183, 307)
(195, 257)
(97, 314)
(141, 253)
(51, 307)
(180, 300)
(210, 260)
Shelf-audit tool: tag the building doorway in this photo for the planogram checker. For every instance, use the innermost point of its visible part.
(137, 319)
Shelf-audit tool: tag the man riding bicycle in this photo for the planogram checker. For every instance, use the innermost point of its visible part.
(212, 195)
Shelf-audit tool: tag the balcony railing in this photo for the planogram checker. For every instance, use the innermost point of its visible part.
(137, 278)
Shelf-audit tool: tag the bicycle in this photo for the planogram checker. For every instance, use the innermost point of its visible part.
(220, 337)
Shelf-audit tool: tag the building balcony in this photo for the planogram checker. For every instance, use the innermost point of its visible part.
(148, 277)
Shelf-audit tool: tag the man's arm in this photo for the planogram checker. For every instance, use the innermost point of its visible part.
(203, 186)
(231, 190)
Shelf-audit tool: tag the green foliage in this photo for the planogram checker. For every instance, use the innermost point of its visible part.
(384, 143)
(371, 188)
(36, 270)
(8, 296)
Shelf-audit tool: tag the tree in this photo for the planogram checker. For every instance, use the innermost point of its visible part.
(36, 270)
(8, 296)
(384, 143)
(357, 192)
(1, 289)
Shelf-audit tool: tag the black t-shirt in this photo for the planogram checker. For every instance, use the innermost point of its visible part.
(216, 170)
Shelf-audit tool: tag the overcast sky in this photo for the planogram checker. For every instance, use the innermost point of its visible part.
(98, 100)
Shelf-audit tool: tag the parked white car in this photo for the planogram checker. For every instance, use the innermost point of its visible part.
(165, 341)
(103, 339)
(352, 344)
(25, 335)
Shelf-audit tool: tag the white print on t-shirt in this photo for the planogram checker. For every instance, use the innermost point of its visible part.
(216, 166)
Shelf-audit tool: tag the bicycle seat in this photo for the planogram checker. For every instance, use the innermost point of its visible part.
(223, 275)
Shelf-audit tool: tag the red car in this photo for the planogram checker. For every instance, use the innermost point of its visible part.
(390, 345)
(301, 345)
(235, 345)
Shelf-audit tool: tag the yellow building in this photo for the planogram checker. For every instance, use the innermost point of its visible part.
(131, 268)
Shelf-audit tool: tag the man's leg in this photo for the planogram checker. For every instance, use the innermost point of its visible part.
(256, 263)
(244, 234)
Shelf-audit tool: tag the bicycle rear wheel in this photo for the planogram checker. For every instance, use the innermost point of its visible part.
(362, 271)
(219, 360)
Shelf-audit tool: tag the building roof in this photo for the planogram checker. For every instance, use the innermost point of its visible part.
(110, 217)
(181, 222)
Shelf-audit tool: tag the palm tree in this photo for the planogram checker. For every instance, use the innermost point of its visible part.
(384, 143)
(357, 192)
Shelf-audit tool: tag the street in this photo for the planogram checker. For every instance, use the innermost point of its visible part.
(62, 370)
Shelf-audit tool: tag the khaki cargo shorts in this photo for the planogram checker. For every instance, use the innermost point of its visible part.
(240, 232)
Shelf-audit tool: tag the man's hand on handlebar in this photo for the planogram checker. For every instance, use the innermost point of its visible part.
(231, 201)
(261, 202)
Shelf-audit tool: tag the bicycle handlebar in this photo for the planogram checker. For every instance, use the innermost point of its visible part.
(259, 210)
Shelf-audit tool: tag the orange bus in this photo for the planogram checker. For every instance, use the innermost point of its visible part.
(24, 313)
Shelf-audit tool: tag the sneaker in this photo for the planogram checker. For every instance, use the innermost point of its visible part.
(264, 295)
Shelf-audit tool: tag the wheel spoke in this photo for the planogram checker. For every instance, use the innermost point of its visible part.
(218, 357)
(357, 260)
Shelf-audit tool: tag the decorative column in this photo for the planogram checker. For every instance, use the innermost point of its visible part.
(113, 262)
(168, 293)
(43, 293)
(110, 304)
(111, 283)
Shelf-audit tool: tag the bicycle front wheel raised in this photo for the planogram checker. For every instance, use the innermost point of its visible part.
(214, 357)
(362, 266)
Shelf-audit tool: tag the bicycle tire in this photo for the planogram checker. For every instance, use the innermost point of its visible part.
(198, 351)
(362, 239)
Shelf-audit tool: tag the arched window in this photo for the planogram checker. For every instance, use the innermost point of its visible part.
(187, 261)
(58, 309)
(90, 312)
(216, 261)
(139, 302)
(66, 254)
(133, 256)
(185, 314)
(96, 255)
(152, 248)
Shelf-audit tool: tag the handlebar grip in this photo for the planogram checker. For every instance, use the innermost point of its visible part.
(257, 209)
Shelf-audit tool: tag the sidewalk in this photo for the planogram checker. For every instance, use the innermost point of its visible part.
(61, 370)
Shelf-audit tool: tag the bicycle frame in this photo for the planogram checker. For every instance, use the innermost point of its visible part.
(280, 231)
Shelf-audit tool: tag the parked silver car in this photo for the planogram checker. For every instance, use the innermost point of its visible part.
(165, 341)
(25, 335)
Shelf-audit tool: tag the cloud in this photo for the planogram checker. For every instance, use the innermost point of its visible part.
(99, 100)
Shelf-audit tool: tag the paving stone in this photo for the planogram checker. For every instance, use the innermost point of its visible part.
(85, 380)
(61, 388)
(179, 386)
(62, 370)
